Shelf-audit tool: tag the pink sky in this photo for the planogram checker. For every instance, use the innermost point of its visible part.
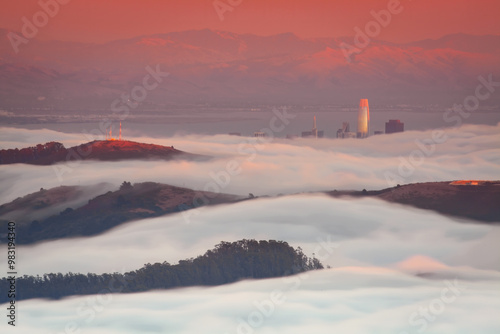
(99, 21)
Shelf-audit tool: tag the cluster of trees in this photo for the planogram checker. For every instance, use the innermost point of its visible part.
(227, 262)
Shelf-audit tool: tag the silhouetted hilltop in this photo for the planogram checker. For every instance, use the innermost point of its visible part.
(99, 214)
(103, 150)
(47, 202)
(478, 200)
(39, 154)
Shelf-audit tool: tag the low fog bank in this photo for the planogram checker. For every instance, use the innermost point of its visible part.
(48, 202)
(248, 165)
(344, 300)
(338, 231)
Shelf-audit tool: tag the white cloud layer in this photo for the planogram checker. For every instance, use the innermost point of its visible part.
(374, 247)
(278, 166)
(344, 300)
(360, 232)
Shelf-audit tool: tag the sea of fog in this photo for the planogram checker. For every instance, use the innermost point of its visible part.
(393, 268)
(271, 166)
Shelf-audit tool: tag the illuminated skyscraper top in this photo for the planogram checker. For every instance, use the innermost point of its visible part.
(363, 119)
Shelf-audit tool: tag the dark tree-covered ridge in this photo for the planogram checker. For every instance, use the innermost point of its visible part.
(226, 263)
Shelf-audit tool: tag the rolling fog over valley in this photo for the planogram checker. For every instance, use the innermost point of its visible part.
(250, 167)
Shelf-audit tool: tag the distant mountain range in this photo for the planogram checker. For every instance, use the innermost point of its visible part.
(103, 150)
(149, 199)
(209, 67)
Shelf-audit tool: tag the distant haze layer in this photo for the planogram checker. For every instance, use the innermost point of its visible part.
(201, 68)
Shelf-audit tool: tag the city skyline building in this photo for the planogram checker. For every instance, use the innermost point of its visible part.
(259, 134)
(345, 132)
(394, 126)
(346, 127)
(314, 132)
(363, 119)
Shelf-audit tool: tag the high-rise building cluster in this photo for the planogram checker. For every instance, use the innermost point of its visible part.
(363, 130)
(392, 126)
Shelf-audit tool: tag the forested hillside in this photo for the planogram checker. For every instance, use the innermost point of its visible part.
(227, 262)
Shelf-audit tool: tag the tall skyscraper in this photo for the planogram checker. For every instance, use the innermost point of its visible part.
(314, 131)
(394, 125)
(345, 127)
(363, 119)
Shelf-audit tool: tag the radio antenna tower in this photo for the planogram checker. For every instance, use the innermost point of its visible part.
(315, 129)
(120, 131)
